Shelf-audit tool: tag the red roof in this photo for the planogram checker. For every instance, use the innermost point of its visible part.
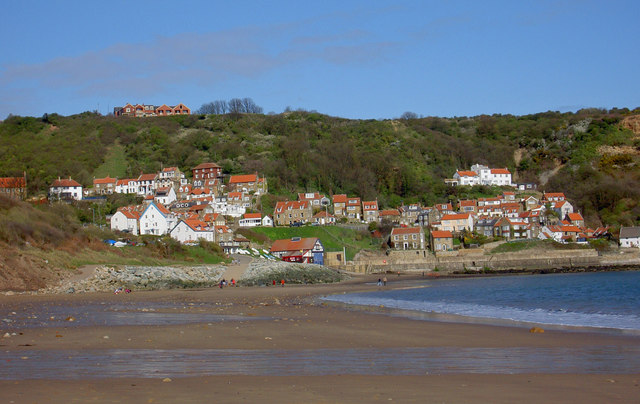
(206, 165)
(389, 212)
(467, 173)
(106, 180)
(282, 206)
(340, 198)
(147, 177)
(406, 230)
(441, 234)
(293, 244)
(455, 216)
(252, 216)
(500, 171)
(169, 169)
(241, 179)
(575, 216)
(13, 182)
(65, 183)
(371, 205)
(196, 225)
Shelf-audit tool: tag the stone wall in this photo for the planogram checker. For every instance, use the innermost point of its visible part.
(412, 261)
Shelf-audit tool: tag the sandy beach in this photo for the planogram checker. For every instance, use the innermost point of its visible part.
(292, 319)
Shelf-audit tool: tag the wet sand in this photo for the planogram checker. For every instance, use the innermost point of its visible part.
(285, 320)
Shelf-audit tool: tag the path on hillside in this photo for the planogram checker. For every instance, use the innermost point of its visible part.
(236, 270)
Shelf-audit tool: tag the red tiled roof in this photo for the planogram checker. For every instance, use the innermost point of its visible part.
(106, 180)
(241, 179)
(13, 182)
(575, 216)
(147, 177)
(291, 245)
(65, 183)
(282, 206)
(389, 212)
(340, 198)
(252, 216)
(169, 169)
(162, 209)
(470, 202)
(206, 165)
(405, 230)
(467, 173)
(371, 205)
(196, 225)
(500, 171)
(441, 234)
(455, 216)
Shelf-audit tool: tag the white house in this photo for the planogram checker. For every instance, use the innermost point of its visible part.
(65, 189)
(127, 186)
(467, 178)
(267, 221)
(563, 208)
(630, 237)
(156, 219)
(165, 195)
(146, 184)
(492, 176)
(125, 220)
(250, 220)
(191, 230)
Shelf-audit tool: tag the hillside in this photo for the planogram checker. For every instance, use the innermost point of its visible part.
(592, 155)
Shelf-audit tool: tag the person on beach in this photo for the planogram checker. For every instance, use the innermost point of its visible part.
(384, 281)
(274, 282)
(282, 282)
(221, 284)
(379, 282)
(233, 282)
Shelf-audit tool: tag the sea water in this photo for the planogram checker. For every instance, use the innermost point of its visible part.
(606, 300)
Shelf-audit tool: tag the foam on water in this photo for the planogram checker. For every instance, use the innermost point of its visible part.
(599, 300)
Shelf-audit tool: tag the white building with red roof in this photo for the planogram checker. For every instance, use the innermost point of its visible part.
(65, 189)
(469, 178)
(126, 219)
(250, 220)
(408, 238)
(306, 250)
(191, 231)
(317, 200)
(127, 186)
(156, 219)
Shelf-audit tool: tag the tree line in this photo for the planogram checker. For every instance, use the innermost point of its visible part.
(233, 106)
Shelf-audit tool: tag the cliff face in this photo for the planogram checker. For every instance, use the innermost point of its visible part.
(632, 123)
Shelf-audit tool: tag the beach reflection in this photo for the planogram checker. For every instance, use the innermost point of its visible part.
(152, 363)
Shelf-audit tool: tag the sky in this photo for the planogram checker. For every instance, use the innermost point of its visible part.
(353, 59)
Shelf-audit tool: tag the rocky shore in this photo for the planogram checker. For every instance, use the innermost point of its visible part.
(108, 278)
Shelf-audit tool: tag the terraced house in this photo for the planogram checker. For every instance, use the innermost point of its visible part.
(407, 238)
(292, 212)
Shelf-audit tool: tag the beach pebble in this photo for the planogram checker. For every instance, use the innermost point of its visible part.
(106, 337)
(70, 319)
(536, 330)
(166, 380)
(6, 335)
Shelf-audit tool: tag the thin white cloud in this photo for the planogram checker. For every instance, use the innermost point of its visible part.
(145, 69)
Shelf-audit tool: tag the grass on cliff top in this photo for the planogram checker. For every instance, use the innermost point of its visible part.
(333, 238)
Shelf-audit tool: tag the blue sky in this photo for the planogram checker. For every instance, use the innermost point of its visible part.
(354, 59)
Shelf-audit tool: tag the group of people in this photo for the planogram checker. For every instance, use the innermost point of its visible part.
(281, 282)
(223, 283)
(382, 281)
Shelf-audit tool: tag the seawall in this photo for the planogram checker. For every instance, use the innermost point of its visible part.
(422, 261)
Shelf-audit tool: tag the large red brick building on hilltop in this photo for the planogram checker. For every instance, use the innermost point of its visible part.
(142, 110)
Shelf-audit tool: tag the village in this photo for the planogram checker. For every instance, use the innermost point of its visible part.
(213, 206)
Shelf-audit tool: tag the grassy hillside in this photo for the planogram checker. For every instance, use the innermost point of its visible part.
(332, 238)
(39, 245)
(592, 155)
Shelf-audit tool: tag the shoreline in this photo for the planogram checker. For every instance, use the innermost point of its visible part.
(290, 319)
